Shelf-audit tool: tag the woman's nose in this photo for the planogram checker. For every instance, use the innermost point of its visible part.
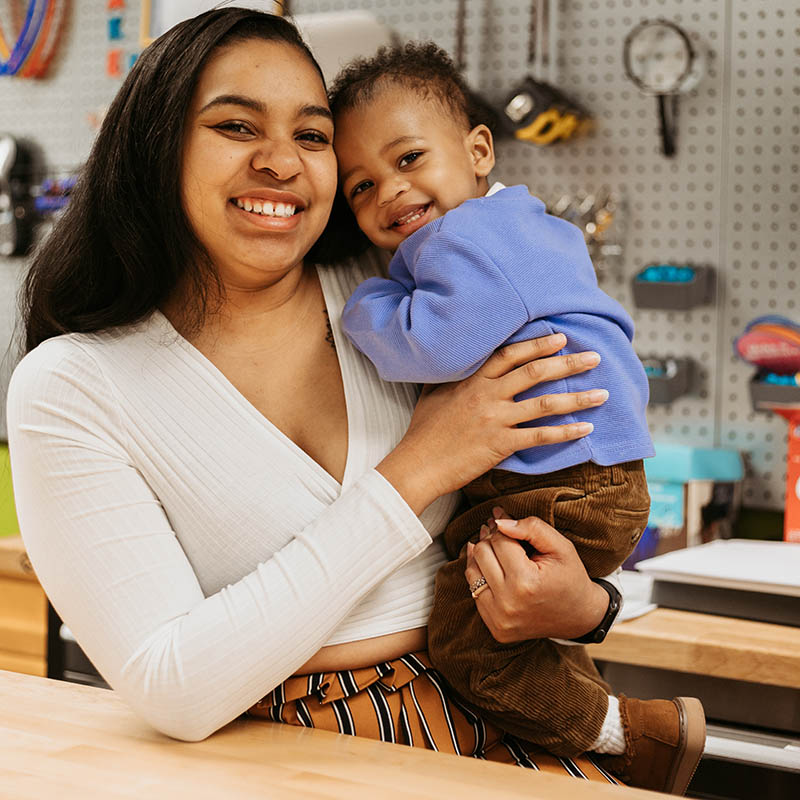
(391, 189)
(279, 159)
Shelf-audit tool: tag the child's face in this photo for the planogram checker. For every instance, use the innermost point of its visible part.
(404, 161)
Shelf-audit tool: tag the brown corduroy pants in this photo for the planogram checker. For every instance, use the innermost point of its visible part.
(541, 691)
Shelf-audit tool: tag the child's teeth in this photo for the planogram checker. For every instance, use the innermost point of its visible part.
(413, 218)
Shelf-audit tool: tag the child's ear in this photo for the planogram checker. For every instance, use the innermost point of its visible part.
(480, 147)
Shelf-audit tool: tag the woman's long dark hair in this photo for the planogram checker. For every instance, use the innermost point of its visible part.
(124, 241)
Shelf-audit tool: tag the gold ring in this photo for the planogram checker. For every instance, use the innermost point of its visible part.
(477, 583)
(479, 590)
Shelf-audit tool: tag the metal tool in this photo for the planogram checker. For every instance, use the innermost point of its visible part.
(535, 110)
(662, 61)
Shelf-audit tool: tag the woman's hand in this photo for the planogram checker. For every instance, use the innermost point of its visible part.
(547, 595)
(461, 430)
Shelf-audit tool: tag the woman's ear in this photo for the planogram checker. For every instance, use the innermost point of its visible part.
(480, 147)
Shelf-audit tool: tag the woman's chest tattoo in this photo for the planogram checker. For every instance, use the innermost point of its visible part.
(329, 330)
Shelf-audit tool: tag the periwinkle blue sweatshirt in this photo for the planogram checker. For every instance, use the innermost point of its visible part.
(496, 270)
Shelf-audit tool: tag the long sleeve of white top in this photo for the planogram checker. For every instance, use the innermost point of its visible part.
(104, 550)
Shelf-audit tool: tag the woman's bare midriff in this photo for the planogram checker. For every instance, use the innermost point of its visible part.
(365, 653)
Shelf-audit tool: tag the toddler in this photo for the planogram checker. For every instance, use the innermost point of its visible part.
(476, 267)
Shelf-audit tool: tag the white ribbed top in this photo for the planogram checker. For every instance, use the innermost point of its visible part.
(198, 555)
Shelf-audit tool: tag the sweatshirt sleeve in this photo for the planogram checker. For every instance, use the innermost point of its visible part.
(446, 307)
(106, 555)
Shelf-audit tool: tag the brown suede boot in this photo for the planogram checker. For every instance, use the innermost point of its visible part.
(664, 740)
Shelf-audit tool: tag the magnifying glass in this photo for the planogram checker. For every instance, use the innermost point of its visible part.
(660, 59)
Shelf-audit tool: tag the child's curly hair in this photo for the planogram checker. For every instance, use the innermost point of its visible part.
(421, 66)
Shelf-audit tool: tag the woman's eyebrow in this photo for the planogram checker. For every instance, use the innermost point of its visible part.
(315, 111)
(235, 100)
(309, 110)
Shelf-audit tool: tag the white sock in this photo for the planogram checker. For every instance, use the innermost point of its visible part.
(612, 736)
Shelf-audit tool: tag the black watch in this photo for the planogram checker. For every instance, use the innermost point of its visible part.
(597, 635)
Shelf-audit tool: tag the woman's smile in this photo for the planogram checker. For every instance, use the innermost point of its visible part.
(269, 209)
(259, 172)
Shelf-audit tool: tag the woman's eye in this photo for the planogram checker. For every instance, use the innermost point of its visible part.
(314, 137)
(236, 128)
(409, 158)
(360, 187)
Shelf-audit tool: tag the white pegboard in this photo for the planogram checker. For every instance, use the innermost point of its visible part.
(55, 114)
(730, 198)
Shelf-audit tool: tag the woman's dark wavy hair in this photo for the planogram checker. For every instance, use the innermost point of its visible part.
(124, 242)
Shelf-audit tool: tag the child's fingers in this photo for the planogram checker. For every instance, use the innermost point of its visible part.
(498, 512)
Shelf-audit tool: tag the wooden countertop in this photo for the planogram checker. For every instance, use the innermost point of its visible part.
(703, 644)
(77, 742)
(14, 561)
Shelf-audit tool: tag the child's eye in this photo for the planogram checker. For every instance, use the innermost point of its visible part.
(360, 187)
(235, 128)
(409, 158)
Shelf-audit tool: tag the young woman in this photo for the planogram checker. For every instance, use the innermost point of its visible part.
(215, 489)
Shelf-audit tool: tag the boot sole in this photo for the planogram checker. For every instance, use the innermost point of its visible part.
(692, 744)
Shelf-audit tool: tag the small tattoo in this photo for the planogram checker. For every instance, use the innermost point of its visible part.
(329, 335)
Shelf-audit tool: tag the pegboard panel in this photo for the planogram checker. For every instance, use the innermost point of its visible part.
(729, 199)
(55, 114)
(760, 224)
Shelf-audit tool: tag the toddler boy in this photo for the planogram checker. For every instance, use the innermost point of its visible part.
(475, 268)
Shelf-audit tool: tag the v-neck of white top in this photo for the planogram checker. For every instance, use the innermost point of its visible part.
(352, 367)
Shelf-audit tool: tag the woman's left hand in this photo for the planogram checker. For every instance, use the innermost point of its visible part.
(547, 595)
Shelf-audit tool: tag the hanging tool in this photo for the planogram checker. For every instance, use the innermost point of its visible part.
(480, 107)
(661, 60)
(536, 111)
(16, 217)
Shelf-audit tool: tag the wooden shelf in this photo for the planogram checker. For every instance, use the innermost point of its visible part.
(722, 647)
(23, 612)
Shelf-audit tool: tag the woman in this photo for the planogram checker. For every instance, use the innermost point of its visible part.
(215, 489)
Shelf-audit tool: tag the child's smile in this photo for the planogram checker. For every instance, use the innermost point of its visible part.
(405, 159)
(410, 220)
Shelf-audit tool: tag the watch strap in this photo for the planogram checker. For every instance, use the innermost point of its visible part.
(599, 633)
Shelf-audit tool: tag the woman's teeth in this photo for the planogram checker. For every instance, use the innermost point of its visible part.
(265, 208)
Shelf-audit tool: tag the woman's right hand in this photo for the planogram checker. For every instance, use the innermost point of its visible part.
(460, 430)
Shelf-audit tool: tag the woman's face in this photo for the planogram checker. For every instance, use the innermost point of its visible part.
(258, 175)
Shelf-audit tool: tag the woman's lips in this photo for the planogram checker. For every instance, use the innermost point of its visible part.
(274, 217)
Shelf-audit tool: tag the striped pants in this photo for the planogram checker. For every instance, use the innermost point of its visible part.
(406, 701)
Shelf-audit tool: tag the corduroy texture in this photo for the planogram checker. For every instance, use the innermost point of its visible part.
(544, 692)
(405, 701)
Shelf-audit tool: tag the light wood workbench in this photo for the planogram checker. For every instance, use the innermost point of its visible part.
(23, 612)
(702, 644)
(78, 742)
